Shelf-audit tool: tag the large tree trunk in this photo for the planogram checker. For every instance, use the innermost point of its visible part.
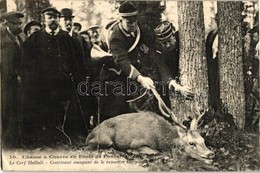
(193, 67)
(230, 60)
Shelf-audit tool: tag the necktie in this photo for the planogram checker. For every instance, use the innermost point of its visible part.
(52, 32)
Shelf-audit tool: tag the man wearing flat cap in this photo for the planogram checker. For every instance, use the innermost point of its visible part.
(32, 27)
(167, 60)
(93, 32)
(123, 43)
(50, 62)
(11, 44)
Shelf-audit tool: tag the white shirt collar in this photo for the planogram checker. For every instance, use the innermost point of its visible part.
(71, 33)
(48, 30)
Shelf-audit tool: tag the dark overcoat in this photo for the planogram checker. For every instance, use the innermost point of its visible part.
(47, 63)
(10, 87)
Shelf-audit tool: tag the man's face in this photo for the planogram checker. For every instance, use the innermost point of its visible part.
(76, 29)
(51, 21)
(14, 25)
(94, 36)
(66, 23)
(33, 29)
(169, 43)
(129, 23)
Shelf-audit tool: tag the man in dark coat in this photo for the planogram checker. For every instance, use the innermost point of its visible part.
(88, 102)
(49, 62)
(11, 44)
(167, 60)
(122, 43)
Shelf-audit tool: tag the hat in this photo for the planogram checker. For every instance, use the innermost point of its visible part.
(164, 30)
(84, 32)
(77, 24)
(9, 16)
(51, 11)
(93, 27)
(28, 26)
(127, 9)
(66, 12)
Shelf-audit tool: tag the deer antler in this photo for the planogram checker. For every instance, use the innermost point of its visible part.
(194, 123)
(168, 113)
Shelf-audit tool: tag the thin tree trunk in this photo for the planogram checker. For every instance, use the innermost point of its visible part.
(193, 67)
(3, 7)
(230, 60)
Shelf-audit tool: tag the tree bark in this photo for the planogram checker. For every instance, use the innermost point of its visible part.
(193, 67)
(231, 60)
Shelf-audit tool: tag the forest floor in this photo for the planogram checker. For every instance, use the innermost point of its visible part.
(244, 156)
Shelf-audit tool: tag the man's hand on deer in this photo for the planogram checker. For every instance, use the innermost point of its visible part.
(183, 90)
(146, 82)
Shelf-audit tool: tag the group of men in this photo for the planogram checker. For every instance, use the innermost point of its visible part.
(40, 76)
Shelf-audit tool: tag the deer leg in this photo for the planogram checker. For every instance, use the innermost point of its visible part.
(100, 141)
(140, 147)
(148, 150)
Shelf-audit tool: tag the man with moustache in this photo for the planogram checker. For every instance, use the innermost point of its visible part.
(123, 66)
(88, 103)
(167, 60)
(93, 32)
(49, 58)
(11, 44)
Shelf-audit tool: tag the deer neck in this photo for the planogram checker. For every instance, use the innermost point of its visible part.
(182, 136)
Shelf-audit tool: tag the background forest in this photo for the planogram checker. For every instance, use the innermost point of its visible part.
(231, 124)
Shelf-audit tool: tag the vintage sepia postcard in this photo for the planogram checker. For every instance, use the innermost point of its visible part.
(118, 85)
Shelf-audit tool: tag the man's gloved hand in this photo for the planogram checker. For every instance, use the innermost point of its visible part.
(184, 90)
(146, 82)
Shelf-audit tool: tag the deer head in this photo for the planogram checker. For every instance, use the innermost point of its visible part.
(191, 141)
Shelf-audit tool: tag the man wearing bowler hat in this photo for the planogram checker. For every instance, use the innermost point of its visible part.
(50, 62)
(10, 57)
(89, 104)
(83, 50)
(123, 43)
(32, 27)
(167, 60)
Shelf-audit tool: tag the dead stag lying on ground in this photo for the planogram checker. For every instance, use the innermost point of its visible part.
(147, 132)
